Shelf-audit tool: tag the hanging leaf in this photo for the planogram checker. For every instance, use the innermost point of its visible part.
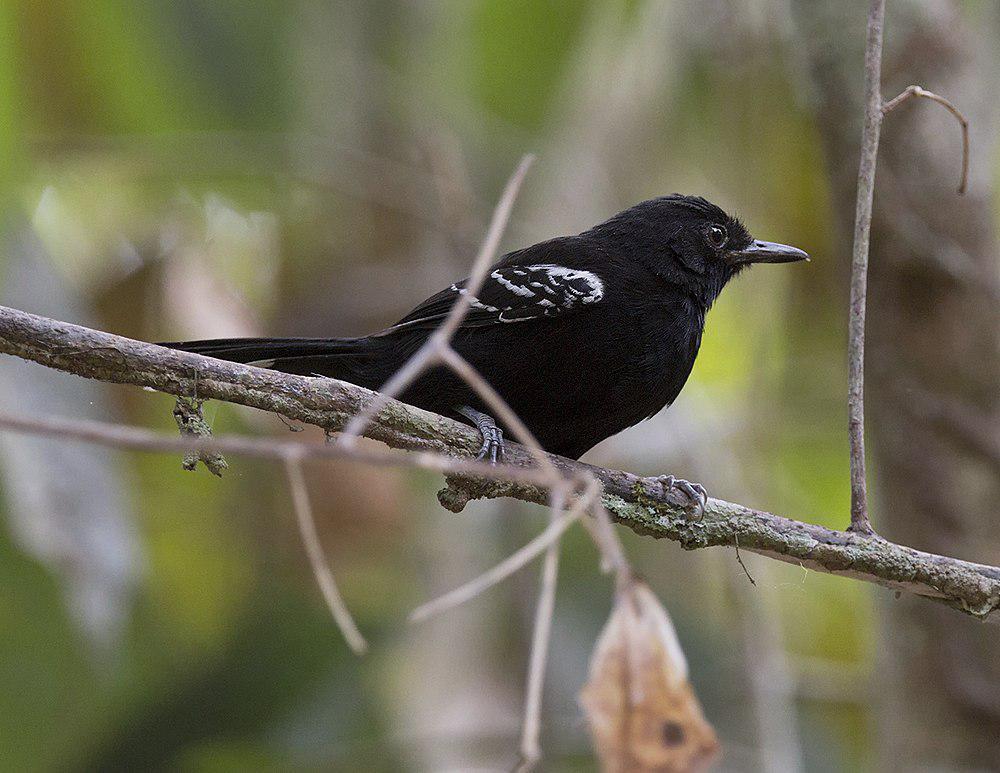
(643, 714)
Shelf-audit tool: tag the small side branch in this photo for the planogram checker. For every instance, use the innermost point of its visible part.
(875, 111)
(921, 92)
(531, 728)
(552, 534)
(191, 423)
(314, 549)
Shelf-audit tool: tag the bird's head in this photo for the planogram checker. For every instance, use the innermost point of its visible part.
(688, 241)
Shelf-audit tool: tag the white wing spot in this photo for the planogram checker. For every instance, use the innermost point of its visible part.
(565, 288)
(575, 284)
(475, 302)
(514, 288)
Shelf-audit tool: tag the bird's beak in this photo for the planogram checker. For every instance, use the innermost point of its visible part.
(769, 252)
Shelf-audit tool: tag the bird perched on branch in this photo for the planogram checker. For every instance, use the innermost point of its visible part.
(582, 335)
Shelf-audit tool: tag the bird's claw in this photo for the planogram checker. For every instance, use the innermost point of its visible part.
(695, 492)
(493, 445)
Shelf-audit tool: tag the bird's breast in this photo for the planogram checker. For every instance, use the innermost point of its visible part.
(669, 336)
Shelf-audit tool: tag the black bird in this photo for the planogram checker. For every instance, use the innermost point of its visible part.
(582, 335)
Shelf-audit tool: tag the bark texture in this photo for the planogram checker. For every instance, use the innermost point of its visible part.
(642, 504)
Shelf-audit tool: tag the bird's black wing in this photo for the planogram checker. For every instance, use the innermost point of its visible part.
(517, 289)
(548, 280)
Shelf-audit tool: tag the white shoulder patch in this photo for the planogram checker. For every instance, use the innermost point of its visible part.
(585, 286)
(520, 293)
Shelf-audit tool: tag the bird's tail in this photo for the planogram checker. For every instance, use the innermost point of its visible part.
(350, 359)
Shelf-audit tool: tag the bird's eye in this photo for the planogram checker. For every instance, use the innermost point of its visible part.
(716, 236)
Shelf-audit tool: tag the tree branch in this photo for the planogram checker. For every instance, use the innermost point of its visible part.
(875, 112)
(860, 522)
(918, 91)
(639, 503)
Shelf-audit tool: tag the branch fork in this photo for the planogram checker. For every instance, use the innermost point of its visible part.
(875, 110)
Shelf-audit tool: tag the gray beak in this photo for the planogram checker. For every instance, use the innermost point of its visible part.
(769, 252)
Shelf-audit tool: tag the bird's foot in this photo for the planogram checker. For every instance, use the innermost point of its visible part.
(493, 447)
(694, 492)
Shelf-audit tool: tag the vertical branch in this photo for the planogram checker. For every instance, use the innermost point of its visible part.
(859, 266)
(875, 111)
(772, 684)
(531, 751)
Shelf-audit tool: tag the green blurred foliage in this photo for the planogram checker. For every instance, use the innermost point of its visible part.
(520, 52)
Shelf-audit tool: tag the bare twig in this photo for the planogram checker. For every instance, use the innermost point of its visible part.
(875, 112)
(739, 560)
(610, 546)
(860, 521)
(552, 533)
(531, 750)
(426, 356)
(320, 568)
(919, 91)
(432, 350)
(141, 439)
(487, 251)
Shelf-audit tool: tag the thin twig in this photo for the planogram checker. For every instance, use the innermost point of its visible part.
(428, 355)
(875, 112)
(613, 559)
(739, 560)
(433, 348)
(511, 564)
(142, 439)
(317, 559)
(531, 750)
(920, 91)
(487, 251)
(860, 521)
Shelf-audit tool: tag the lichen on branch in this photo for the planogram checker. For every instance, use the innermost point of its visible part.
(639, 503)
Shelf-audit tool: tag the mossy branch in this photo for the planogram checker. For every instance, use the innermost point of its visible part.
(639, 503)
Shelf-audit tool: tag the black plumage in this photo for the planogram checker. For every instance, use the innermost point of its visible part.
(582, 335)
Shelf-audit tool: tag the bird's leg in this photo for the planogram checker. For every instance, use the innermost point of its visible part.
(493, 445)
(695, 492)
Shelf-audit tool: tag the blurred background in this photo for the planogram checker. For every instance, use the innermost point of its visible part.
(200, 169)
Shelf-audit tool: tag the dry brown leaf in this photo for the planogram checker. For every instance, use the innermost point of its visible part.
(643, 714)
